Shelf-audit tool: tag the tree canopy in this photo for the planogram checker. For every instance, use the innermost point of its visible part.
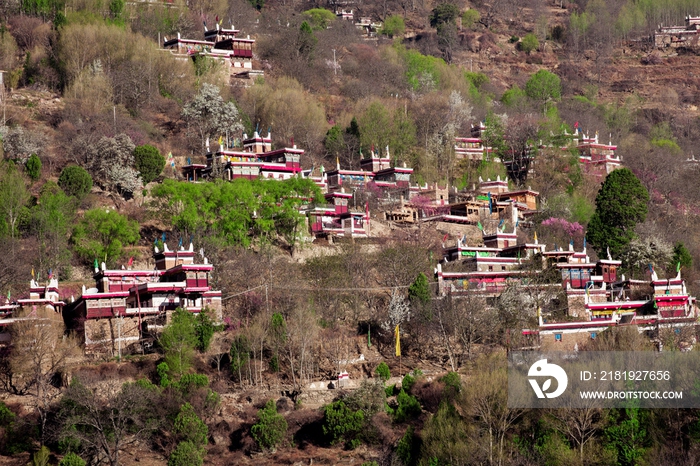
(621, 204)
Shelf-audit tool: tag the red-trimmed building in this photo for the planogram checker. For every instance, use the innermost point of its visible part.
(126, 306)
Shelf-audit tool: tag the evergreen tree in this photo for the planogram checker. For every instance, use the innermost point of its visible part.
(621, 204)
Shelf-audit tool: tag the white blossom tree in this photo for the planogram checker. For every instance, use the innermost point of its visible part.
(208, 116)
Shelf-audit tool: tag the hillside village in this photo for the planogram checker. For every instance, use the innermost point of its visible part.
(254, 232)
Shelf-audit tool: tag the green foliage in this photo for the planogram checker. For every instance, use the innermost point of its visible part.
(271, 427)
(453, 385)
(681, 256)
(7, 417)
(390, 390)
(444, 438)
(75, 181)
(116, 8)
(190, 428)
(529, 43)
(513, 97)
(71, 459)
(476, 79)
(627, 435)
(340, 423)
(41, 457)
(544, 87)
(408, 407)
(423, 72)
(13, 196)
(51, 220)
(163, 370)
(470, 17)
(102, 235)
(419, 291)
(186, 454)
(334, 141)
(204, 328)
(149, 162)
(383, 371)
(621, 204)
(225, 210)
(33, 167)
(188, 383)
(394, 26)
(178, 341)
(667, 144)
(444, 13)
(320, 18)
(406, 450)
(306, 40)
(408, 382)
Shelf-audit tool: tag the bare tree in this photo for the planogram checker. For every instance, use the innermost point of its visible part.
(108, 420)
(40, 350)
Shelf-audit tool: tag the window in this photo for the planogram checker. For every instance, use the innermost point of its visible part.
(490, 268)
(557, 337)
(503, 267)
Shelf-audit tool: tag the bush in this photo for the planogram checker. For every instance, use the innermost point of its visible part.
(529, 43)
(408, 407)
(394, 26)
(205, 328)
(407, 382)
(271, 427)
(342, 424)
(41, 457)
(75, 181)
(406, 449)
(33, 167)
(383, 371)
(190, 428)
(163, 370)
(148, 162)
(453, 385)
(71, 459)
(186, 454)
(469, 18)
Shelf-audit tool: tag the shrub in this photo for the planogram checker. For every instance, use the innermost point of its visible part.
(394, 26)
(149, 162)
(470, 17)
(41, 457)
(340, 423)
(75, 181)
(529, 43)
(408, 407)
(33, 167)
(186, 454)
(271, 427)
(383, 371)
(190, 382)
(205, 328)
(453, 384)
(407, 382)
(163, 371)
(190, 428)
(405, 450)
(71, 459)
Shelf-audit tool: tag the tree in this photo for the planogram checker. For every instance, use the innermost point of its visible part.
(33, 167)
(320, 18)
(681, 256)
(543, 87)
(149, 162)
(190, 428)
(51, 220)
(621, 204)
(186, 454)
(102, 235)
(109, 420)
(470, 17)
(19, 145)
(419, 290)
(375, 127)
(178, 341)
(342, 424)
(111, 163)
(271, 427)
(383, 371)
(204, 327)
(40, 351)
(306, 41)
(529, 43)
(394, 26)
(75, 181)
(444, 19)
(208, 116)
(13, 195)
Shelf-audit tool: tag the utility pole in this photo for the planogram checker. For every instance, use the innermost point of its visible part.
(335, 65)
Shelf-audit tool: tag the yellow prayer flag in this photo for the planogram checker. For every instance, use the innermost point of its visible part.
(398, 341)
(33, 273)
(535, 237)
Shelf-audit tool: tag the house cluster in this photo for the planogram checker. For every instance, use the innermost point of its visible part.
(687, 35)
(369, 28)
(596, 157)
(597, 298)
(224, 45)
